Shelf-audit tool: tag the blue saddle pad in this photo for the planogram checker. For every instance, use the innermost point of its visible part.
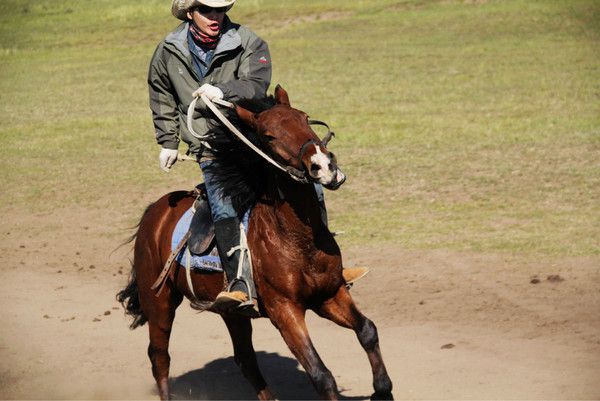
(210, 262)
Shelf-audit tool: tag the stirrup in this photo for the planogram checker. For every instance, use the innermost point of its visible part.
(249, 294)
(227, 300)
(237, 302)
(249, 307)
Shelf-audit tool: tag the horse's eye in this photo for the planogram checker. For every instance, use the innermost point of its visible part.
(269, 138)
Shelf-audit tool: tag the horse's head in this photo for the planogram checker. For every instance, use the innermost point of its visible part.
(285, 132)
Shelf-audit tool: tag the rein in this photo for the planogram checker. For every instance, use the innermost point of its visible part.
(296, 174)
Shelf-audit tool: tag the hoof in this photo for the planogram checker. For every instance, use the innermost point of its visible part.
(163, 389)
(382, 396)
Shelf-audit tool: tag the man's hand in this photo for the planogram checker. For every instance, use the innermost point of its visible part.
(212, 92)
(167, 158)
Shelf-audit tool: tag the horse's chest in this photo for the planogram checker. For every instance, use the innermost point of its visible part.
(293, 265)
(318, 275)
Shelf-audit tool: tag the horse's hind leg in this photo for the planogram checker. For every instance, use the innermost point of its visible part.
(160, 314)
(240, 330)
(342, 310)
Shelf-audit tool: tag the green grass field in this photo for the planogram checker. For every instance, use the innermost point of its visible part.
(465, 125)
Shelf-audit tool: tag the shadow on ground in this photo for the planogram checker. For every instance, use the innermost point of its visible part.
(222, 380)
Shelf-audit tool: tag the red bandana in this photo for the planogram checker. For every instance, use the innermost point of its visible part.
(202, 39)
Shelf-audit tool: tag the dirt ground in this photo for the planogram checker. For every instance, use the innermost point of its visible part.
(452, 325)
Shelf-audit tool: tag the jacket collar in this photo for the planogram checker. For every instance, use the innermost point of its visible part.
(230, 39)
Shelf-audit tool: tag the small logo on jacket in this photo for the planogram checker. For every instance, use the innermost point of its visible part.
(263, 60)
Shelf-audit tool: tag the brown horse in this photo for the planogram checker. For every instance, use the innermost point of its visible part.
(297, 263)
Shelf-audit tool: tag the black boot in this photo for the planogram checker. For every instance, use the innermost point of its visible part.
(240, 293)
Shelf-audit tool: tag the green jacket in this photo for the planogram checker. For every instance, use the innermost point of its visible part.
(241, 68)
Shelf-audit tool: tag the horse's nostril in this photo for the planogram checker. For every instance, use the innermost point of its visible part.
(331, 167)
(315, 167)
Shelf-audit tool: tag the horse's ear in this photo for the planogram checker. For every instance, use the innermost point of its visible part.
(246, 116)
(281, 96)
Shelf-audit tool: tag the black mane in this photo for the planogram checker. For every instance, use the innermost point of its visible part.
(257, 105)
(242, 172)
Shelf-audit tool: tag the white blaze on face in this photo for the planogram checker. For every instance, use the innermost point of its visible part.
(323, 175)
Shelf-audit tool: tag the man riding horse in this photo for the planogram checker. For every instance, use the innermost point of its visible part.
(211, 55)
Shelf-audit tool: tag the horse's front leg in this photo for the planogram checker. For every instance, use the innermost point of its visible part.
(289, 319)
(240, 330)
(342, 310)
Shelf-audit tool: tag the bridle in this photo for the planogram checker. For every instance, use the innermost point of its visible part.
(299, 175)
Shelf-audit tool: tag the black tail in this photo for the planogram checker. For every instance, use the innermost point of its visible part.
(129, 298)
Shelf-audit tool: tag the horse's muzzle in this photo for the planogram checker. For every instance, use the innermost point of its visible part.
(337, 181)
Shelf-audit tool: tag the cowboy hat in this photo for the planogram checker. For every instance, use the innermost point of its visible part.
(180, 7)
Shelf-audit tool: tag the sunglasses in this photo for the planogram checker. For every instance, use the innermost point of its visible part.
(208, 9)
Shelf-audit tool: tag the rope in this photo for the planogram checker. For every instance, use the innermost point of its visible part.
(244, 255)
(190, 115)
(188, 272)
(234, 130)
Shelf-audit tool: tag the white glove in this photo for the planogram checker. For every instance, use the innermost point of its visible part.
(167, 158)
(212, 92)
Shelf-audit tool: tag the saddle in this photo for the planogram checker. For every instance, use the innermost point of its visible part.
(199, 238)
(202, 230)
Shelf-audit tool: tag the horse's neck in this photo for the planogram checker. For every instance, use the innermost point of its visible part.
(295, 206)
